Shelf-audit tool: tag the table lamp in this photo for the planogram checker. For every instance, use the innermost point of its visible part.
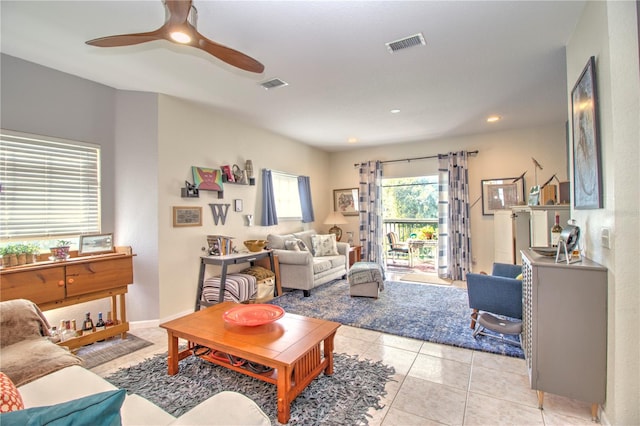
(335, 219)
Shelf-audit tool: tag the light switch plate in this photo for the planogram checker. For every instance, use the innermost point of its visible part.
(605, 237)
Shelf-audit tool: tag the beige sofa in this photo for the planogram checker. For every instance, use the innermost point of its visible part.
(25, 355)
(305, 269)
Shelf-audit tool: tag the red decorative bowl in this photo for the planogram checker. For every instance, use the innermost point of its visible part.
(253, 314)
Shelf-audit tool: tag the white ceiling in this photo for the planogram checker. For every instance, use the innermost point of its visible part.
(481, 58)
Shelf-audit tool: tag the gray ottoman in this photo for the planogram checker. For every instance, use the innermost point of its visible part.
(365, 279)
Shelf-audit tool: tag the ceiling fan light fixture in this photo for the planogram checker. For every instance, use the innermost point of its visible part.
(180, 37)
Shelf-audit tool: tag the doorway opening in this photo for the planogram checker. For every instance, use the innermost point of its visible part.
(410, 218)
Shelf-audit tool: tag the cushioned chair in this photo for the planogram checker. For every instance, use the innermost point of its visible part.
(395, 246)
(497, 294)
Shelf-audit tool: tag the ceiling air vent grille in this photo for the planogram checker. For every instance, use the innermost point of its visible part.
(273, 83)
(405, 43)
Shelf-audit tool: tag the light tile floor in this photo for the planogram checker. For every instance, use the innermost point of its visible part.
(433, 385)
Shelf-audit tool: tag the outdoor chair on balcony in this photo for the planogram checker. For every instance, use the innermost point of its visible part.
(396, 247)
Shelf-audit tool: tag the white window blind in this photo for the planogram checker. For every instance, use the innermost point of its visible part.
(287, 196)
(49, 187)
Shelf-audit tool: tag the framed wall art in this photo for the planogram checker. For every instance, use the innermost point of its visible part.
(95, 244)
(187, 216)
(207, 179)
(501, 194)
(345, 201)
(587, 170)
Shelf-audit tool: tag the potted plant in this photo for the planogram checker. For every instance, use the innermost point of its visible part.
(21, 253)
(9, 255)
(61, 250)
(427, 232)
(32, 250)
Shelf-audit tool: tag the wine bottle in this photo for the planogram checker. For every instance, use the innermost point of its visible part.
(556, 230)
(109, 322)
(100, 325)
(87, 325)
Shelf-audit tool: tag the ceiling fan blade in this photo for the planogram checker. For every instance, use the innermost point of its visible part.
(126, 39)
(230, 56)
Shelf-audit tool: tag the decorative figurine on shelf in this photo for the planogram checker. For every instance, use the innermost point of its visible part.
(248, 166)
(237, 173)
(189, 191)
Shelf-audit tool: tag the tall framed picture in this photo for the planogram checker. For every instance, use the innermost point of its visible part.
(345, 201)
(501, 194)
(587, 170)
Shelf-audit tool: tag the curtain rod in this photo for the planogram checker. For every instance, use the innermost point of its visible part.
(417, 158)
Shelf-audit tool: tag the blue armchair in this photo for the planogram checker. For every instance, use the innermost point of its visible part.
(499, 293)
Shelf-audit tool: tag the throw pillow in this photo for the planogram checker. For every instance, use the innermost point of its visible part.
(101, 408)
(292, 245)
(324, 245)
(10, 399)
(302, 245)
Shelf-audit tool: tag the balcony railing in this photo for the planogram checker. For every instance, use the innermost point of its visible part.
(405, 227)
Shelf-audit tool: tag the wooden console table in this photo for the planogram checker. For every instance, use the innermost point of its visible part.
(52, 285)
(231, 259)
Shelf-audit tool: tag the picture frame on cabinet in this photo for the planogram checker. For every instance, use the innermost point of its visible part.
(587, 170)
(501, 194)
(187, 216)
(95, 244)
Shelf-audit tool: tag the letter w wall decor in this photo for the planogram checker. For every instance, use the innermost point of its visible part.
(219, 212)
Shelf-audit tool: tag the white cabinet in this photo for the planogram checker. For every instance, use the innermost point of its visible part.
(523, 227)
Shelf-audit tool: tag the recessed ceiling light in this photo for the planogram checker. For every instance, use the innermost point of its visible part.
(394, 111)
(493, 118)
(352, 140)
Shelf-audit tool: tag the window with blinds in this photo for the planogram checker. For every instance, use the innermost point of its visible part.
(48, 187)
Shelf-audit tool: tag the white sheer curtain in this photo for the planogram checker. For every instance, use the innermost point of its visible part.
(454, 229)
(370, 206)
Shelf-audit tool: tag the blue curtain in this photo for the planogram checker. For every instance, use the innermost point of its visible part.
(370, 208)
(454, 230)
(304, 189)
(269, 215)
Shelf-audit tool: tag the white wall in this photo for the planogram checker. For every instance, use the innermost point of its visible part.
(192, 135)
(136, 182)
(609, 31)
(501, 154)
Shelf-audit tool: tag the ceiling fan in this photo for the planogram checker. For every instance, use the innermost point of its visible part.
(180, 27)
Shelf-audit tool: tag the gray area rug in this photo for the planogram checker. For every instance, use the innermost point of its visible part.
(340, 399)
(101, 352)
(433, 313)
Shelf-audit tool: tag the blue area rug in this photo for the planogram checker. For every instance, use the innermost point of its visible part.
(438, 314)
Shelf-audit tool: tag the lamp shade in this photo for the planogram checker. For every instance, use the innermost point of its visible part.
(335, 218)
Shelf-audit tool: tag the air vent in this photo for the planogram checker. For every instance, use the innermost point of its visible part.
(273, 83)
(405, 43)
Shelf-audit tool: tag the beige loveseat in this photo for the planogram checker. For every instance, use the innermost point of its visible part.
(305, 269)
(50, 377)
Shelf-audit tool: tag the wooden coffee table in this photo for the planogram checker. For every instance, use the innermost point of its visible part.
(296, 347)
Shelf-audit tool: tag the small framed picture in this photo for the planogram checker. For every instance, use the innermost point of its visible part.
(237, 205)
(345, 201)
(187, 216)
(501, 194)
(95, 244)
